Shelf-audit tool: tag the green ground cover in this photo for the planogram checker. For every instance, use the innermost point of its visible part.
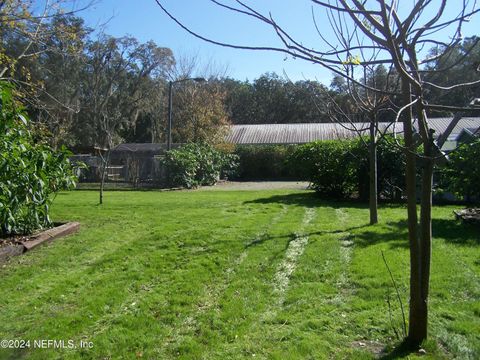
(226, 275)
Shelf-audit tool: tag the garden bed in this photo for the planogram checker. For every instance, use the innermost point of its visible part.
(18, 244)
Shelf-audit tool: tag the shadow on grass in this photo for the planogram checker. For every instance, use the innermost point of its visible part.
(393, 233)
(402, 350)
(456, 232)
(396, 234)
(307, 199)
(293, 236)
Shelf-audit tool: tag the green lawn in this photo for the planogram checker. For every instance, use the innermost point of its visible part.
(228, 275)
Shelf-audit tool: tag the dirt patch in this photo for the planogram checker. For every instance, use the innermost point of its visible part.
(372, 347)
(258, 185)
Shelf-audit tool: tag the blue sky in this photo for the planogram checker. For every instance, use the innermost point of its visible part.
(144, 20)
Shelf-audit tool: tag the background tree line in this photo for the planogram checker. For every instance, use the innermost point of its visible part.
(87, 88)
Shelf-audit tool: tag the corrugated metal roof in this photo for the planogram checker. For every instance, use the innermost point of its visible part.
(140, 147)
(473, 131)
(304, 133)
(440, 125)
(150, 148)
(300, 133)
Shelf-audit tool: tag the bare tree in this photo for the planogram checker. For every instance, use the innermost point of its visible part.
(397, 38)
(366, 106)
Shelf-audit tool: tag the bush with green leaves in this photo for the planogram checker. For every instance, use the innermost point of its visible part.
(330, 166)
(265, 162)
(390, 168)
(461, 175)
(30, 171)
(340, 168)
(197, 164)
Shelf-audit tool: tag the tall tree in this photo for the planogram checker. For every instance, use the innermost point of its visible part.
(26, 34)
(116, 85)
(199, 112)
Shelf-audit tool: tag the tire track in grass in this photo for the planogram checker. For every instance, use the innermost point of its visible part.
(212, 294)
(284, 319)
(278, 283)
(251, 294)
(295, 249)
(285, 269)
(345, 258)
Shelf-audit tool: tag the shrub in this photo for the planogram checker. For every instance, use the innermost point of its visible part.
(181, 166)
(390, 169)
(30, 171)
(197, 164)
(461, 175)
(330, 166)
(340, 168)
(265, 161)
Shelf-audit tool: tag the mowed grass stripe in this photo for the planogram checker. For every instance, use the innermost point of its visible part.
(298, 329)
(97, 261)
(245, 296)
(252, 292)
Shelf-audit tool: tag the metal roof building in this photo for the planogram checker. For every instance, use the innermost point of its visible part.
(303, 133)
(263, 134)
(440, 125)
(300, 133)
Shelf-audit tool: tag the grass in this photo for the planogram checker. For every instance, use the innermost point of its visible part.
(231, 275)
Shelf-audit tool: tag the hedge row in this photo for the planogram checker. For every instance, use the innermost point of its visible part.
(461, 175)
(265, 162)
(340, 168)
(336, 169)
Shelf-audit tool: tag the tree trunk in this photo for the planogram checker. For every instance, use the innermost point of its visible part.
(425, 242)
(373, 196)
(417, 310)
(425, 236)
(104, 171)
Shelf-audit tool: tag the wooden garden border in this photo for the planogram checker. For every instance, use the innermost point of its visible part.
(19, 247)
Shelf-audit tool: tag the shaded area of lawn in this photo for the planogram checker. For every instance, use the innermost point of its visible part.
(193, 275)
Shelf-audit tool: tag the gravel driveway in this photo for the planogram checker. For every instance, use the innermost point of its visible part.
(258, 185)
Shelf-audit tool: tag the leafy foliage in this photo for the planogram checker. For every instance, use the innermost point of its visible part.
(30, 171)
(265, 162)
(199, 113)
(460, 65)
(390, 169)
(339, 168)
(329, 165)
(271, 99)
(198, 164)
(461, 175)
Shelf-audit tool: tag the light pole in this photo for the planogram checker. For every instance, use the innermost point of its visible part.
(170, 95)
